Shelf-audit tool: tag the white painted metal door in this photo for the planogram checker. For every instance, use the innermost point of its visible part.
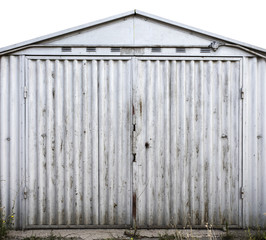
(79, 142)
(186, 138)
(186, 142)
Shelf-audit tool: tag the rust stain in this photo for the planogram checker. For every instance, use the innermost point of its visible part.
(134, 206)
(140, 108)
(61, 146)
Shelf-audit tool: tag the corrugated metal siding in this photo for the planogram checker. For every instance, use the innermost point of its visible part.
(10, 146)
(79, 142)
(180, 187)
(255, 142)
(187, 142)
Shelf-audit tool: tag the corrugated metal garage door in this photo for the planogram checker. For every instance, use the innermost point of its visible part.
(187, 139)
(79, 142)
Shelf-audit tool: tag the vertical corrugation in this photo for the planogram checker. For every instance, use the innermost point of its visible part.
(10, 119)
(94, 135)
(209, 144)
(118, 205)
(14, 167)
(191, 142)
(86, 141)
(261, 79)
(59, 141)
(166, 177)
(110, 182)
(5, 80)
(200, 119)
(198, 199)
(188, 115)
(189, 110)
(149, 89)
(174, 143)
(262, 161)
(254, 135)
(77, 156)
(102, 144)
(50, 142)
(235, 123)
(32, 151)
(225, 174)
(42, 141)
(64, 97)
(139, 113)
(182, 140)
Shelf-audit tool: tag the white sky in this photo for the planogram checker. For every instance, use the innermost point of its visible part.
(242, 20)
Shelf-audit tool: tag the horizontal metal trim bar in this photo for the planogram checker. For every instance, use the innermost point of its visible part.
(99, 46)
(78, 226)
(138, 57)
(189, 227)
(206, 58)
(78, 58)
(123, 226)
(120, 46)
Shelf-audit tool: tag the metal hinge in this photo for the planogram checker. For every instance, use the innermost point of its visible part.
(242, 192)
(25, 193)
(242, 93)
(25, 92)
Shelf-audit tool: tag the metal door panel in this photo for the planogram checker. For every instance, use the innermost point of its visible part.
(79, 142)
(186, 142)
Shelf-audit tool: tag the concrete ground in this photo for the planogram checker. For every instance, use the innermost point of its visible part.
(91, 234)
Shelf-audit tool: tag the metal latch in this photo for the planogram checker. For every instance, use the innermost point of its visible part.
(242, 192)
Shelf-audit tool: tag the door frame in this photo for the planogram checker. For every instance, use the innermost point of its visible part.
(133, 59)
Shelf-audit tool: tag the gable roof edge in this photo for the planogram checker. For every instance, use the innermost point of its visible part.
(66, 31)
(126, 14)
(181, 25)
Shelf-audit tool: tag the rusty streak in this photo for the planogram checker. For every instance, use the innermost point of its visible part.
(134, 207)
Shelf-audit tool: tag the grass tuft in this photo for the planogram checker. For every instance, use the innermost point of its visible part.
(6, 223)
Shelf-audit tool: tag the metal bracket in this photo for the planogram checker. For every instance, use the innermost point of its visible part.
(215, 45)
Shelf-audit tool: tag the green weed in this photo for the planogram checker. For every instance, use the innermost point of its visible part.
(257, 235)
(6, 223)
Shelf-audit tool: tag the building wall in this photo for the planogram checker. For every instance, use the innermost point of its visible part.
(254, 150)
(12, 139)
(11, 135)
